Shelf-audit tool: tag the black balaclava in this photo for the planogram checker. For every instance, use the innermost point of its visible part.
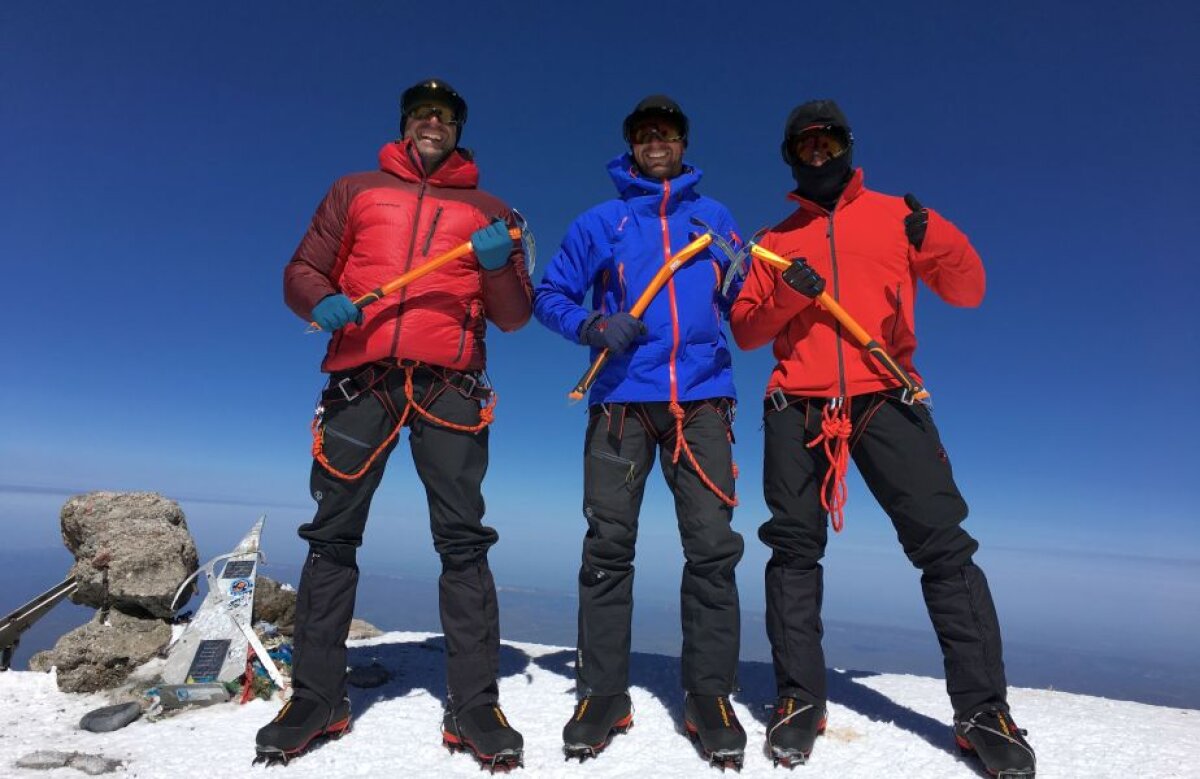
(821, 185)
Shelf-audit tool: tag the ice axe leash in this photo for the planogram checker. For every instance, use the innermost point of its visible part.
(641, 304)
(404, 280)
(913, 391)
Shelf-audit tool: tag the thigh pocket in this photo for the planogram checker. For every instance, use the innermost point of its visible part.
(609, 480)
(352, 435)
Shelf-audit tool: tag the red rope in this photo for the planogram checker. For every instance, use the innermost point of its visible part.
(681, 444)
(835, 435)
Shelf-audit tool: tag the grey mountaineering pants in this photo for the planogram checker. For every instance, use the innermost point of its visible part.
(451, 465)
(618, 454)
(897, 450)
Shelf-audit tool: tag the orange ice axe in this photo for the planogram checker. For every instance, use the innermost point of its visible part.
(641, 304)
(408, 278)
(912, 390)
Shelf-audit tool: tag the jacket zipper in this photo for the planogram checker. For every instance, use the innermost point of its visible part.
(662, 216)
(412, 245)
(837, 326)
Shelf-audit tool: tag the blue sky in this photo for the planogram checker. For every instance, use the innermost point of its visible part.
(161, 161)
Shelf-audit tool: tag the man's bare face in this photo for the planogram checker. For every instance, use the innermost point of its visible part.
(433, 129)
(658, 148)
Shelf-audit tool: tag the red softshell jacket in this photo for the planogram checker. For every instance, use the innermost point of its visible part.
(372, 227)
(861, 250)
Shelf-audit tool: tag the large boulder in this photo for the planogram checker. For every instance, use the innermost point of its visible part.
(132, 550)
(101, 654)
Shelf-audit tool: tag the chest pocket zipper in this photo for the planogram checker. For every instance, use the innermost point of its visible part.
(432, 227)
(899, 314)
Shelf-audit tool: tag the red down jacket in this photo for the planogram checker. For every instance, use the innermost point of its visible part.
(372, 227)
(871, 269)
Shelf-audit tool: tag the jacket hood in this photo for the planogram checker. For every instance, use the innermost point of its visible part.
(458, 170)
(631, 183)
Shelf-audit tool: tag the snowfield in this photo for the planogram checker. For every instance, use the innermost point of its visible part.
(880, 725)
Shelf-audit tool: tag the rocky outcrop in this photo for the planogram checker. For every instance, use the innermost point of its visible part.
(132, 550)
(101, 654)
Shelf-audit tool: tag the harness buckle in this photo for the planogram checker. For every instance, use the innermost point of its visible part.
(347, 394)
(468, 385)
(778, 399)
(907, 396)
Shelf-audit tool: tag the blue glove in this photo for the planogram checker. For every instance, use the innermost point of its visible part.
(492, 245)
(802, 278)
(335, 311)
(614, 333)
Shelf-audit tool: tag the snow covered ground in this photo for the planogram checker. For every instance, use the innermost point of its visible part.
(880, 725)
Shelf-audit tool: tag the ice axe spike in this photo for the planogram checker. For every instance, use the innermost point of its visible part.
(404, 280)
(912, 390)
(639, 307)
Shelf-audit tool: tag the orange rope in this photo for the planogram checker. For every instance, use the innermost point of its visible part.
(682, 444)
(318, 448)
(486, 416)
(835, 434)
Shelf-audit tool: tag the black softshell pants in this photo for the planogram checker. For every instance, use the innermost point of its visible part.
(451, 465)
(618, 455)
(897, 450)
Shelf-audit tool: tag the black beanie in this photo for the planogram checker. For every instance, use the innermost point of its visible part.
(822, 185)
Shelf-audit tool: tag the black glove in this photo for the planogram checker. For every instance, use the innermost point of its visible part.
(614, 333)
(916, 222)
(802, 278)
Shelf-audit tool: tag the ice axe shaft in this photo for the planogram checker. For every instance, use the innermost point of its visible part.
(404, 280)
(914, 390)
(641, 304)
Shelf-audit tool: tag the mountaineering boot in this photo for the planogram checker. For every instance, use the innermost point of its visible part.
(996, 740)
(596, 719)
(300, 722)
(485, 733)
(792, 731)
(711, 721)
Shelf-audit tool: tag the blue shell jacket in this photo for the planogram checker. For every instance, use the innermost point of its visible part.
(614, 250)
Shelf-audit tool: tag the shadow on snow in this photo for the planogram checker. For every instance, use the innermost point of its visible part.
(420, 665)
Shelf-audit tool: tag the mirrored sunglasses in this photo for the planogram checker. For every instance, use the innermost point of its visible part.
(649, 133)
(431, 110)
(819, 143)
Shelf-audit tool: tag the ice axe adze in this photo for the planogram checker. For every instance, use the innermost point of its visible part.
(737, 257)
(641, 304)
(414, 274)
(912, 390)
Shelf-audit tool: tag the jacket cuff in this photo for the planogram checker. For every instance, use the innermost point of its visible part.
(584, 325)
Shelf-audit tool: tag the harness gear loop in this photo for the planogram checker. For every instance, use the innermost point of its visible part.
(835, 435)
(681, 444)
